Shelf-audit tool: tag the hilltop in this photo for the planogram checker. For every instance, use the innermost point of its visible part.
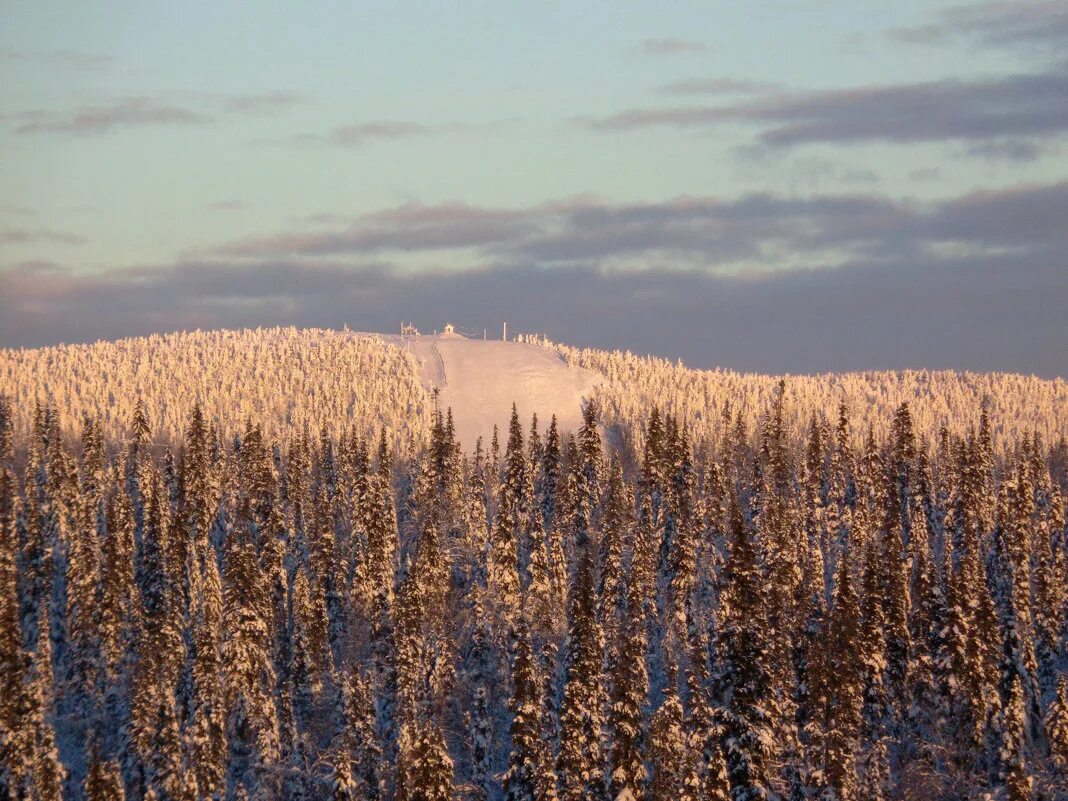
(345, 382)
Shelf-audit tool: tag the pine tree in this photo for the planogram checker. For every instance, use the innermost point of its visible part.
(873, 645)
(590, 461)
(120, 613)
(837, 694)
(84, 680)
(669, 752)
(875, 782)
(1015, 509)
(527, 761)
(742, 681)
(103, 781)
(963, 660)
(480, 676)
(355, 754)
(509, 529)
(249, 674)
(581, 715)
(7, 424)
(630, 688)
(207, 727)
(1057, 726)
(611, 592)
(893, 589)
(424, 769)
(16, 746)
(46, 773)
(550, 475)
(1014, 773)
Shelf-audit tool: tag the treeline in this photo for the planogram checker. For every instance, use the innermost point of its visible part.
(286, 378)
(707, 401)
(831, 616)
(283, 378)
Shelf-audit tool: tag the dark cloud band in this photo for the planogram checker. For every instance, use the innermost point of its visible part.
(979, 282)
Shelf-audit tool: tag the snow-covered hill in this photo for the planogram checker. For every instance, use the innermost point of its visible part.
(481, 379)
(345, 382)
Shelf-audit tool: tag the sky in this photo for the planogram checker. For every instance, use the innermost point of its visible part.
(788, 187)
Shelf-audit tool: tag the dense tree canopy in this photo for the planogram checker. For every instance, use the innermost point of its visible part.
(763, 610)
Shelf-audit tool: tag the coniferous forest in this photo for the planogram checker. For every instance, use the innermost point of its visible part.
(788, 604)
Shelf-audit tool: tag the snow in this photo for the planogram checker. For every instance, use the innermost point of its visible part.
(480, 379)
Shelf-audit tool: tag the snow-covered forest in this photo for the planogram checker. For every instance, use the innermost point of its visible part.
(708, 402)
(286, 378)
(259, 565)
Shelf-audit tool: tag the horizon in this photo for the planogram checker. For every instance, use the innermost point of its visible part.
(887, 193)
(514, 338)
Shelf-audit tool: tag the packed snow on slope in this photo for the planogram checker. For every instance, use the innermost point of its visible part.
(481, 379)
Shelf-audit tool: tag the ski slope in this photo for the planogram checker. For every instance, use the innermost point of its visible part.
(480, 380)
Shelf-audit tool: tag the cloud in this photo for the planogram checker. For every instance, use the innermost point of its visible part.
(412, 227)
(993, 108)
(842, 281)
(24, 236)
(1031, 24)
(262, 103)
(17, 210)
(123, 113)
(887, 314)
(1024, 219)
(717, 86)
(136, 112)
(926, 174)
(671, 46)
(74, 59)
(1019, 150)
(361, 133)
(760, 232)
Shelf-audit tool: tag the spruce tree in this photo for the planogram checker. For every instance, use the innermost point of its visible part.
(837, 693)
(509, 530)
(630, 688)
(875, 779)
(249, 674)
(16, 745)
(742, 680)
(580, 762)
(355, 755)
(893, 589)
(611, 591)
(424, 768)
(103, 781)
(669, 754)
(1057, 727)
(1014, 773)
(527, 760)
(206, 730)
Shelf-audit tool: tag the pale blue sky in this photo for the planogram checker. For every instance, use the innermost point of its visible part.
(143, 135)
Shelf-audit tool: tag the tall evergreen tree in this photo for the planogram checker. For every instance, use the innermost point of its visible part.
(580, 762)
(525, 779)
(837, 694)
(630, 689)
(742, 680)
